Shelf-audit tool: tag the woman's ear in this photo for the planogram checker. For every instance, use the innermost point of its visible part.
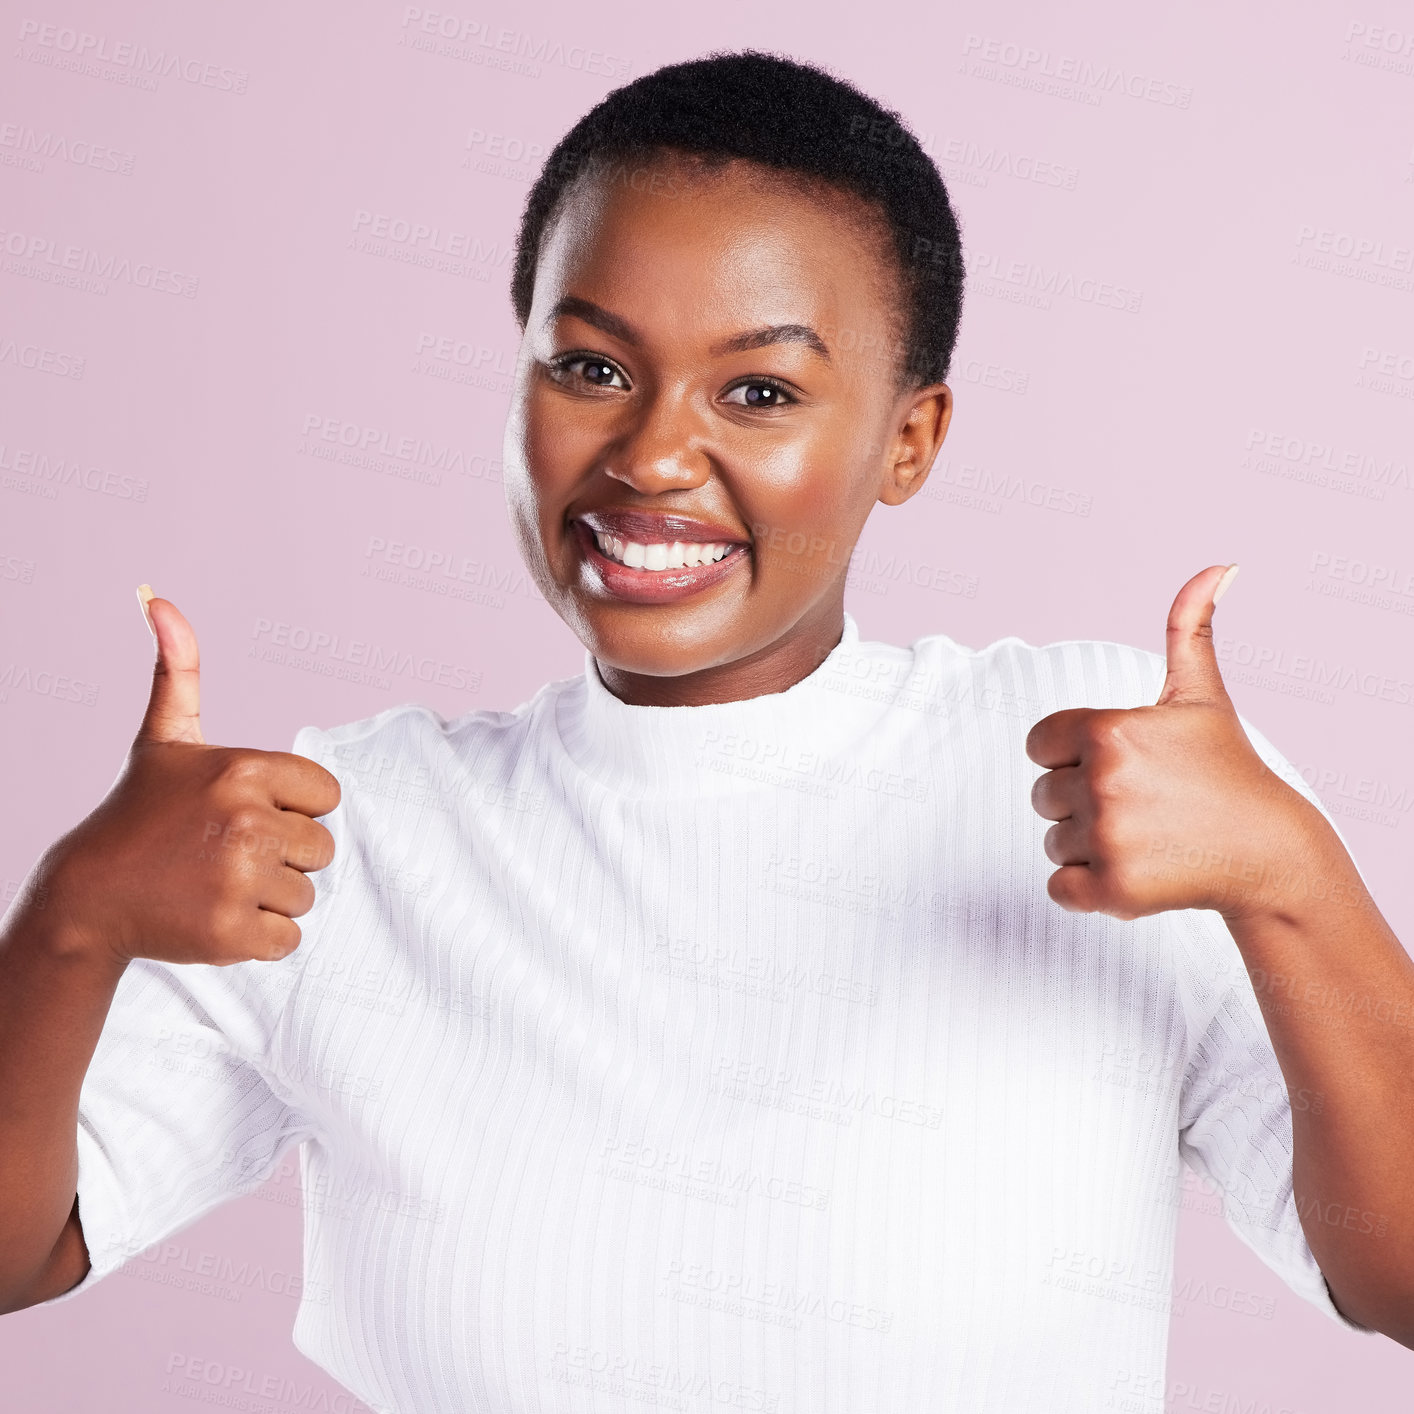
(926, 415)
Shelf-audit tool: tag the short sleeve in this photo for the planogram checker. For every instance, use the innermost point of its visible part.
(1235, 1130)
(1235, 1110)
(187, 1102)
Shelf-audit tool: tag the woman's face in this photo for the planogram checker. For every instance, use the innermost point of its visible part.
(706, 409)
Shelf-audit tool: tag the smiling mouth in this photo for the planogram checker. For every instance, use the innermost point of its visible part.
(661, 555)
(630, 563)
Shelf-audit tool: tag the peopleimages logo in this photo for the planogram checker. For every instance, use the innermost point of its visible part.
(408, 456)
(1302, 458)
(456, 245)
(209, 1381)
(39, 359)
(1306, 675)
(333, 655)
(32, 149)
(68, 471)
(21, 677)
(1064, 75)
(1386, 371)
(1008, 278)
(88, 53)
(1378, 47)
(1355, 256)
(43, 257)
(457, 37)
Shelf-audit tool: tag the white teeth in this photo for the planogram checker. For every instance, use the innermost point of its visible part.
(681, 554)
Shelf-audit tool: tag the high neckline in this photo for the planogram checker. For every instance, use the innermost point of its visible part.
(775, 739)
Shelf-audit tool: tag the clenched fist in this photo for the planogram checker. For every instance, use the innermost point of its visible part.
(1170, 806)
(198, 853)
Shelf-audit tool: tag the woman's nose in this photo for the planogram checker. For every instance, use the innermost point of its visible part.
(664, 449)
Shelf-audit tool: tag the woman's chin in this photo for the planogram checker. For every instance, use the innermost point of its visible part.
(661, 641)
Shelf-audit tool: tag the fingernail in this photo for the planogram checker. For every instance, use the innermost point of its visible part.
(1229, 574)
(144, 593)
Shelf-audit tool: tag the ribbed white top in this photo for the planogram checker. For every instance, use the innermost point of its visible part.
(715, 1056)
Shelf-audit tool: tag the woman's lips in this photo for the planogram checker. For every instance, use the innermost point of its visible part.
(643, 586)
(657, 527)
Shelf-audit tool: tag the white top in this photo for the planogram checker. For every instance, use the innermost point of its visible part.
(715, 1056)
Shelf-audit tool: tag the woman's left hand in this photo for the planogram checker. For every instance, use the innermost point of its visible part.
(1170, 806)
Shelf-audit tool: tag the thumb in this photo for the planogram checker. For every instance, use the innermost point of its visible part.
(174, 708)
(1193, 674)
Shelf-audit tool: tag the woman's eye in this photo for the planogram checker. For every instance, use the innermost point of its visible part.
(598, 372)
(759, 395)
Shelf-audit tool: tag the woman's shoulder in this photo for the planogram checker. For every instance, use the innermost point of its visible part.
(1073, 672)
(414, 729)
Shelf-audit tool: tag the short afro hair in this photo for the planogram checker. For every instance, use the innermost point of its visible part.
(794, 118)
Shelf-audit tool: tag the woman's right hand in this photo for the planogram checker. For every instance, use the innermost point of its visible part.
(198, 853)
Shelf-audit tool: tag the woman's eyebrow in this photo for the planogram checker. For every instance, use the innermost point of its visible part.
(576, 307)
(773, 334)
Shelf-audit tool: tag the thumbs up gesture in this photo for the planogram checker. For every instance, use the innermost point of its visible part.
(198, 853)
(1168, 806)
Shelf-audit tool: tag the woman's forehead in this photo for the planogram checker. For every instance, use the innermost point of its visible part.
(733, 235)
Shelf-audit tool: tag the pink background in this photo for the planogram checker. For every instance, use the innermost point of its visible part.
(1219, 198)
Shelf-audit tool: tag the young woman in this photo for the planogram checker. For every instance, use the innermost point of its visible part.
(765, 1017)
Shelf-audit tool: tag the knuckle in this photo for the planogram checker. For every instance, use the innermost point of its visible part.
(246, 820)
(1058, 887)
(1107, 832)
(305, 897)
(227, 919)
(284, 941)
(1109, 730)
(304, 855)
(1119, 882)
(1106, 786)
(244, 871)
(242, 766)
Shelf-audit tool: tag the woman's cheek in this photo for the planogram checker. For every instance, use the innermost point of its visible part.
(804, 554)
(806, 532)
(824, 483)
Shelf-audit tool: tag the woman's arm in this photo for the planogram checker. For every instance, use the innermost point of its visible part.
(1336, 990)
(1171, 807)
(198, 854)
(54, 998)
